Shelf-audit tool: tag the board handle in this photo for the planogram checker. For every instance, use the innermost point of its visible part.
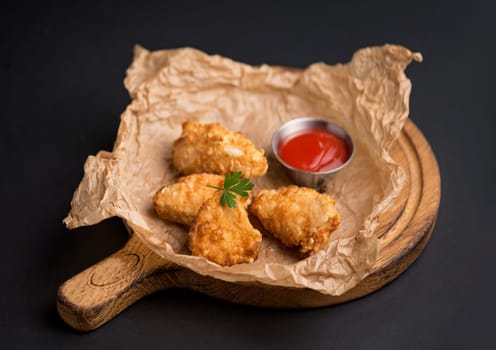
(99, 293)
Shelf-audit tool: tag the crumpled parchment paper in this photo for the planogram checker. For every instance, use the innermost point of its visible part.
(368, 96)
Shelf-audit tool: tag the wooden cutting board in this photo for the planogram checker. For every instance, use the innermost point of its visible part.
(99, 293)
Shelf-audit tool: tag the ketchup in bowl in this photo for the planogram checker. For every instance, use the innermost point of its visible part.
(314, 150)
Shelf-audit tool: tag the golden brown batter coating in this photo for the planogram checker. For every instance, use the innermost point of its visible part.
(224, 235)
(181, 201)
(298, 216)
(211, 148)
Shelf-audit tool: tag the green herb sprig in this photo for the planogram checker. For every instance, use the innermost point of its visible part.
(233, 184)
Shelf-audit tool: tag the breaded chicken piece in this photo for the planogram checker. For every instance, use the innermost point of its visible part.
(298, 216)
(211, 148)
(224, 235)
(181, 201)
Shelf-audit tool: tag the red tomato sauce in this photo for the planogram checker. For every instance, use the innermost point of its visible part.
(314, 150)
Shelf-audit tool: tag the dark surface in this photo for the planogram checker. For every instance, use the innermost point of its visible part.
(62, 68)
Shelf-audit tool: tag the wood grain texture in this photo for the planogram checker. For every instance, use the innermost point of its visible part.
(99, 293)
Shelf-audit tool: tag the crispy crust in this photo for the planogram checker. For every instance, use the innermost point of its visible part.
(298, 216)
(181, 201)
(224, 235)
(211, 148)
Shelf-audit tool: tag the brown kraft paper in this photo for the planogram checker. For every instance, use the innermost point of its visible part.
(369, 97)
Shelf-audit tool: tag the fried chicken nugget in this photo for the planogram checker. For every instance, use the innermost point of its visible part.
(224, 235)
(298, 216)
(181, 201)
(211, 148)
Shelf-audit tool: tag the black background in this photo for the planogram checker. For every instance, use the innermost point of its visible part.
(62, 67)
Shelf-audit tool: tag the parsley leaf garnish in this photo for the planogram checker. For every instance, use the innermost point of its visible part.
(233, 184)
